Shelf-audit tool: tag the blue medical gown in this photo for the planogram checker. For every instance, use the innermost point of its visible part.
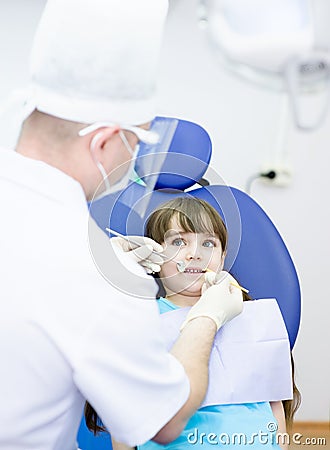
(249, 425)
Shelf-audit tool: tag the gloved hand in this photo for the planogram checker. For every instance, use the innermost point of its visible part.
(142, 253)
(221, 302)
(212, 278)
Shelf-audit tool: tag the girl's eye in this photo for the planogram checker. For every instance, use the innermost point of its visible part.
(209, 244)
(178, 242)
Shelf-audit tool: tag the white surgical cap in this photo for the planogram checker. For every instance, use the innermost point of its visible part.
(96, 60)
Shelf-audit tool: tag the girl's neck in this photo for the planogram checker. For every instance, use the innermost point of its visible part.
(182, 300)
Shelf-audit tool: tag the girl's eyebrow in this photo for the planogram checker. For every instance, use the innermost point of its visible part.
(172, 232)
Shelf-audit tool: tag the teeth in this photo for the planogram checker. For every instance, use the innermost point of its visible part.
(181, 267)
(194, 271)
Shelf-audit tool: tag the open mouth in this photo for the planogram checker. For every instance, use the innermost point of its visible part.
(194, 270)
(181, 267)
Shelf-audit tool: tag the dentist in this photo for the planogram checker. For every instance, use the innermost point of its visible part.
(69, 333)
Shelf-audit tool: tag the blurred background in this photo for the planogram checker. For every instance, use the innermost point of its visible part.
(257, 80)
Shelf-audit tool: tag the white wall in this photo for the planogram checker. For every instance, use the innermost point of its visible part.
(242, 121)
(18, 20)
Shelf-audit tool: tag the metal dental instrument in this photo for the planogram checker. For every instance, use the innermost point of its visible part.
(138, 244)
(180, 265)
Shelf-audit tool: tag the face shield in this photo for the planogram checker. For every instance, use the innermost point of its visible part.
(147, 158)
(151, 157)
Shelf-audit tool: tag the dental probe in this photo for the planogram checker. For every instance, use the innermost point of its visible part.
(180, 265)
(138, 244)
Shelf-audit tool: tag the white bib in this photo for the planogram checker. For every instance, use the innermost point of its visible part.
(250, 360)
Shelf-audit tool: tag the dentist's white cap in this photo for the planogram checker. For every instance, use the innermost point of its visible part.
(96, 60)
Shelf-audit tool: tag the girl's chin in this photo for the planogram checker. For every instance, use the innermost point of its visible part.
(193, 290)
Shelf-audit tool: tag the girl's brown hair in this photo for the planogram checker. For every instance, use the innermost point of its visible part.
(193, 215)
(291, 406)
(93, 422)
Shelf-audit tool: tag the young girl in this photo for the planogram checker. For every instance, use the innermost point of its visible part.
(194, 238)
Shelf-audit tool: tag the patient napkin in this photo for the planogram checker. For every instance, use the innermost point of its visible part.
(250, 360)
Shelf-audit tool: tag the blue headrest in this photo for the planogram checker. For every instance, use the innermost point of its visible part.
(187, 159)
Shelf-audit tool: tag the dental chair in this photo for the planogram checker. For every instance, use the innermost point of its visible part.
(257, 255)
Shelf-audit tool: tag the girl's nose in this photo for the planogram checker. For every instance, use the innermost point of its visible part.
(193, 253)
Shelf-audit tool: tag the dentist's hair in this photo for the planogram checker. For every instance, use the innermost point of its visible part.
(51, 129)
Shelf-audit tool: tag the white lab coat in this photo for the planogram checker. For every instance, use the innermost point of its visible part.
(65, 331)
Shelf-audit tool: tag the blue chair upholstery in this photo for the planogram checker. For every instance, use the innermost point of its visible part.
(178, 171)
(257, 255)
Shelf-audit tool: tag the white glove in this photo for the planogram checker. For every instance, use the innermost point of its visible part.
(221, 302)
(212, 278)
(141, 251)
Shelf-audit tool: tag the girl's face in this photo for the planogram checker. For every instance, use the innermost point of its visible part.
(197, 251)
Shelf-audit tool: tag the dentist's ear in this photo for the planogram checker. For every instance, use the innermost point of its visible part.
(101, 137)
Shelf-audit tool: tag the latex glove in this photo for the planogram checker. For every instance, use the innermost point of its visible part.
(212, 278)
(221, 302)
(141, 253)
